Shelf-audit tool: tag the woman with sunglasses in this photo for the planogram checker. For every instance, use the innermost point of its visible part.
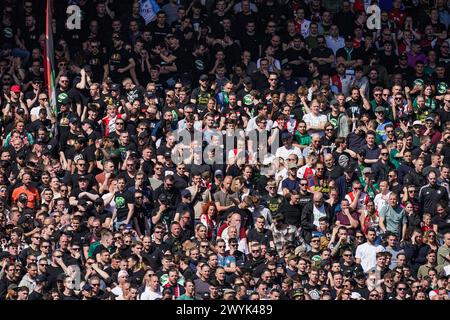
(430, 239)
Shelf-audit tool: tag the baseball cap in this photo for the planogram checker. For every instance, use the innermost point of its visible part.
(380, 109)
(367, 170)
(349, 38)
(218, 173)
(286, 135)
(278, 217)
(167, 153)
(292, 166)
(87, 287)
(417, 123)
(287, 66)
(247, 80)
(15, 88)
(41, 278)
(115, 87)
(204, 77)
(63, 98)
(315, 234)
(429, 118)
(82, 177)
(162, 197)
(186, 193)
(298, 293)
(403, 56)
(228, 291)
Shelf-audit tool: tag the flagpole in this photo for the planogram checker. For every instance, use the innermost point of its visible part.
(50, 57)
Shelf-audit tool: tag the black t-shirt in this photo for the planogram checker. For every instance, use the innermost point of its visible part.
(96, 61)
(122, 199)
(159, 33)
(292, 213)
(443, 223)
(201, 97)
(118, 59)
(322, 53)
(263, 237)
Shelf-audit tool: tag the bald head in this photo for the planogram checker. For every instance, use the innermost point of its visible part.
(317, 196)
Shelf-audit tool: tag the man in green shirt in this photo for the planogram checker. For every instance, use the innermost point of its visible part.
(443, 256)
(393, 217)
(190, 291)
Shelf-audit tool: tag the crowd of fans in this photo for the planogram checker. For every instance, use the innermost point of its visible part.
(264, 150)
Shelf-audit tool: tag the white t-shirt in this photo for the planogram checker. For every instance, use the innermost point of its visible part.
(318, 213)
(381, 200)
(150, 295)
(284, 153)
(367, 253)
(312, 120)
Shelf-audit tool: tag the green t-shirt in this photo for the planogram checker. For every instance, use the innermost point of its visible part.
(395, 161)
(303, 140)
(443, 251)
(394, 219)
(385, 105)
(370, 191)
(185, 297)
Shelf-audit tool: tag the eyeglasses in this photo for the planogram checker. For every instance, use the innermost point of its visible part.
(347, 255)
(385, 154)
(401, 289)
(95, 284)
(119, 123)
(303, 184)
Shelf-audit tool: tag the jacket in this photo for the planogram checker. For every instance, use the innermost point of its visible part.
(416, 255)
(307, 219)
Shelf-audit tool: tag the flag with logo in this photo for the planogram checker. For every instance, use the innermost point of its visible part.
(49, 63)
(149, 9)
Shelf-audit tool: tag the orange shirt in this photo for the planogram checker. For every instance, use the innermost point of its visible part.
(32, 194)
